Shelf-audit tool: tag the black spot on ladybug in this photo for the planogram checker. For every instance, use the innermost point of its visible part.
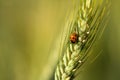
(74, 37)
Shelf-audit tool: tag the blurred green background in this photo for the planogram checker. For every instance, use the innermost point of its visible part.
(29, 28)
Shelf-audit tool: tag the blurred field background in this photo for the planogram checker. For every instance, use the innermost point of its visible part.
(29, 29)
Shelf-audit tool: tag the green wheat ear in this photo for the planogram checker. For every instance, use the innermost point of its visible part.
(87, 23)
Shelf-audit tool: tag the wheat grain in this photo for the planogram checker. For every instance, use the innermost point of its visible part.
(86, 24)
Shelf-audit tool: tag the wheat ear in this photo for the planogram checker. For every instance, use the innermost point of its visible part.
(86, 24)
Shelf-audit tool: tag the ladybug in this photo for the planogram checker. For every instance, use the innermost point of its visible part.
(74, 37)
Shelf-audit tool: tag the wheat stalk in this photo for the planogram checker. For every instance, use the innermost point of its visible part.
(86, 24)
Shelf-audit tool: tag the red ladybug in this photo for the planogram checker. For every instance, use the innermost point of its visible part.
(74, 37)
